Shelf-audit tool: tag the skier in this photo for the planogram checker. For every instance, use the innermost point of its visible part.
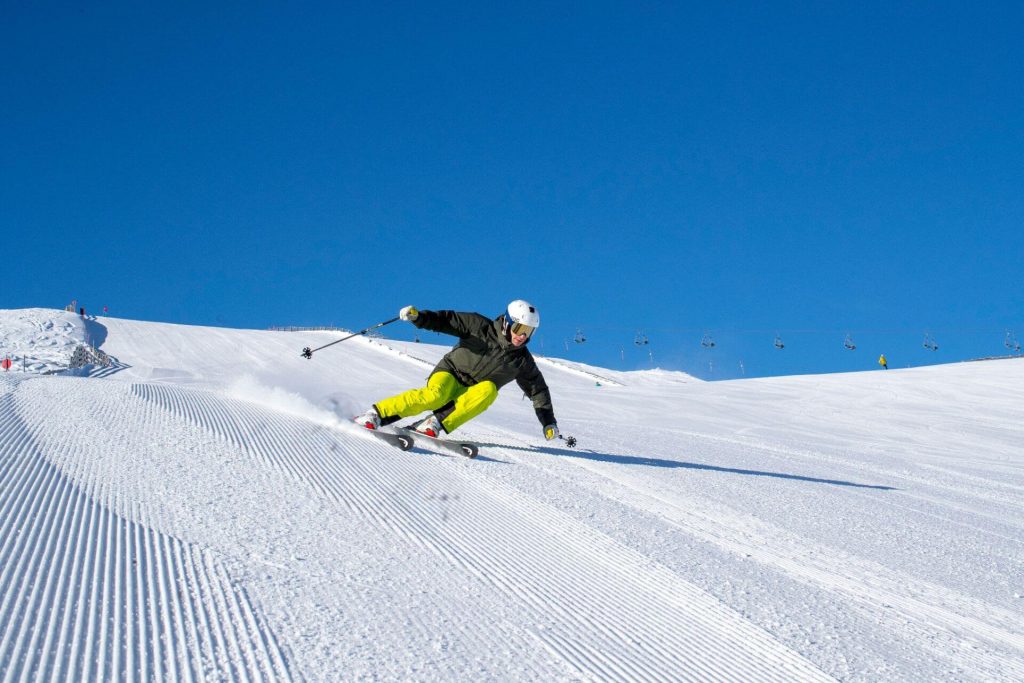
(489, 355)
(883, 362)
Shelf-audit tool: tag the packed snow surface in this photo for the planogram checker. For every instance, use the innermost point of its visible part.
(203, 510)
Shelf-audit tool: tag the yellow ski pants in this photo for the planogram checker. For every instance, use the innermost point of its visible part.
(442, 388)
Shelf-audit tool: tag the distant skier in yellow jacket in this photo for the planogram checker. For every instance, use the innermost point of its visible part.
(884, 363)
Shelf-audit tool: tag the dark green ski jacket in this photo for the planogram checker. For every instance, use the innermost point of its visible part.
(484, 354)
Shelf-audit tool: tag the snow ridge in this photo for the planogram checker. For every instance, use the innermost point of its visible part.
(676, 633)
(122, 601)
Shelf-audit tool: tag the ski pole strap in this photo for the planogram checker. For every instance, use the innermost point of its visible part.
(308, 352)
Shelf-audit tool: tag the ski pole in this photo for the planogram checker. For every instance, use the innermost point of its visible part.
(308, 352)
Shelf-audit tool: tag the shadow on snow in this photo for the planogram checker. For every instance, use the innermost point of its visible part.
(95, 332)
(676, 464)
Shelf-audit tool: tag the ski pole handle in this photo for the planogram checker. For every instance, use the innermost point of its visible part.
(308, 352)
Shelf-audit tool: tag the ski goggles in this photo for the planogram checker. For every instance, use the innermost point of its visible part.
(522, 328)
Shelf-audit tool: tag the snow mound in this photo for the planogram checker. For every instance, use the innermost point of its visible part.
(40, 340)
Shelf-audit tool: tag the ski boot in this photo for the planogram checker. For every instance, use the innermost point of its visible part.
(430, 427)
(370, 419)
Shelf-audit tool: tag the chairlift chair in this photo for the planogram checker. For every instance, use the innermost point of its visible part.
(579, 338)
(707, 342)
(1012, 343)
(778, 342)
(848, 343)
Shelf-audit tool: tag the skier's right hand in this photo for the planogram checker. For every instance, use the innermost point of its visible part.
(408, 313)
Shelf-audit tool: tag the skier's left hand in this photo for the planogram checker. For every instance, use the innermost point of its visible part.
(551, 432)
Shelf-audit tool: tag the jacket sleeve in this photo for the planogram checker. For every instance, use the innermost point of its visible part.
(531, 381)
(453, 323)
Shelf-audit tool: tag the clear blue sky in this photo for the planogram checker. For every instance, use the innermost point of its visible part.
(742, 170)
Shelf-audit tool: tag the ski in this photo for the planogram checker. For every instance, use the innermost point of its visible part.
(466, 449)
(402, 441)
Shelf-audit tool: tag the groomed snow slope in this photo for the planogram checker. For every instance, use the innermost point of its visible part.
(198, 512)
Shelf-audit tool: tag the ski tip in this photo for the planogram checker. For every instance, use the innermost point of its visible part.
(469, 450)
(405, 442)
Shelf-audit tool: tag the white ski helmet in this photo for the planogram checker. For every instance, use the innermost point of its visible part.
(521, 318)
